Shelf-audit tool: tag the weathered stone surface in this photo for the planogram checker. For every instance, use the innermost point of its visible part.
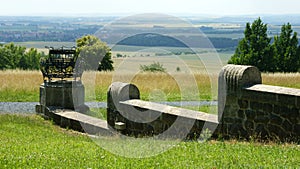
(191, 114)
(274, 119)
(261, 131)
(251, 93)
(256, 105)
(241, 114)
(117, 92)
(285, 99)
(287, 125)
(149, 118)
(271, 110)
(267, 107)
(275, 89)
(235, 77)
(80, 122)
(277, 132)
(249, 125)
(62, 94)
(250, 114)
(298, 102)
(243, 104)
(261, 119)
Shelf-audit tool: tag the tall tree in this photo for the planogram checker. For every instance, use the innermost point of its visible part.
(255, 49)
(94, 53)
(285, 49)
(30, 60)
(10, 56)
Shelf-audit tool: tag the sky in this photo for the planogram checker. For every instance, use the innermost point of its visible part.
(180, 7)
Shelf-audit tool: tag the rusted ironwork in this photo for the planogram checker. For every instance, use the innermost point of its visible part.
(60, 64)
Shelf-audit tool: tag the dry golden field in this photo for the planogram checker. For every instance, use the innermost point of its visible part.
(19, 85)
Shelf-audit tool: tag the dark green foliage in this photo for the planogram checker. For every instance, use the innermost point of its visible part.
(31, 60)
(286, 50)
(154, 67)
(153, 39)
(16, 57)
(106, 63)
(94, 54)
(255, 49)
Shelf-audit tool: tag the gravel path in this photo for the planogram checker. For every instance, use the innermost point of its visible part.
(29, 107)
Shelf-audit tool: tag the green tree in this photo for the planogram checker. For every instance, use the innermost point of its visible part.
(30, 60)
(94, 54)
(255, 49)
(154, 67)
(286, 50)
(10, 56)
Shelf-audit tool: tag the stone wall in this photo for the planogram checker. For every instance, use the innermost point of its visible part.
(131, 116)
(249, 109)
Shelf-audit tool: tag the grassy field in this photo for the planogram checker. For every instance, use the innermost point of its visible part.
(28, 141)
(23, 86)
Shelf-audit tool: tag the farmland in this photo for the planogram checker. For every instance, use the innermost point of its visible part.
(16, 85)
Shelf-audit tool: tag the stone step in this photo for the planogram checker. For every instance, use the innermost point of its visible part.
(81, 122)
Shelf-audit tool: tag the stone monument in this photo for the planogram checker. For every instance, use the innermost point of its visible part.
(62, 87)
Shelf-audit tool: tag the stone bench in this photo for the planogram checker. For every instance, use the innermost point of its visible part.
(132, 116)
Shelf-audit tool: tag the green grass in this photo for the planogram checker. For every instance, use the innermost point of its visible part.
(98, 113)
(28, 141)
(19, 96)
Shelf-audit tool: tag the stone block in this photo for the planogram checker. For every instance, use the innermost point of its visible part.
(276, 120)
(256, 105)
(241, 114)
(250, 114)
(62, 94)
(296, 129)
(298, 102)
(249, 125)
(268, 108)
(286, 100)
(253, 93)
(281, 111)
(233, 120)
(262, 119)
(243, 104)
(288, 113)
(287, 126)
(261, 130)
(278, 133)
(235, 129)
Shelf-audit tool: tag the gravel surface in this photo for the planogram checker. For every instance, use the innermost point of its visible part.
(29, 107)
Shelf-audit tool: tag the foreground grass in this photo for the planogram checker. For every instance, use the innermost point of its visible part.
(28, 141)
(16, 85)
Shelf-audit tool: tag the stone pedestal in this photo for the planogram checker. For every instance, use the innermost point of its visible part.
(62, 95)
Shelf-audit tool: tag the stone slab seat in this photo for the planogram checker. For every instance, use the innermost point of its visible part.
(79, 121)
(180, 112)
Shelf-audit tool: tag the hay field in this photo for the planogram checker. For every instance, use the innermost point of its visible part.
(19, 85)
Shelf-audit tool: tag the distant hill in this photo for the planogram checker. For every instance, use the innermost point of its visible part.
(152, 40)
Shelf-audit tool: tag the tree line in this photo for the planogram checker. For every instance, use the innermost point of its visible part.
(283, 55)
(18, 57)
(91, 50)
(154, 40)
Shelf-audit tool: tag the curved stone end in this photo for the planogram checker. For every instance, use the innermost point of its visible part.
(232, 79)
(119, 91)
(236, 77)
